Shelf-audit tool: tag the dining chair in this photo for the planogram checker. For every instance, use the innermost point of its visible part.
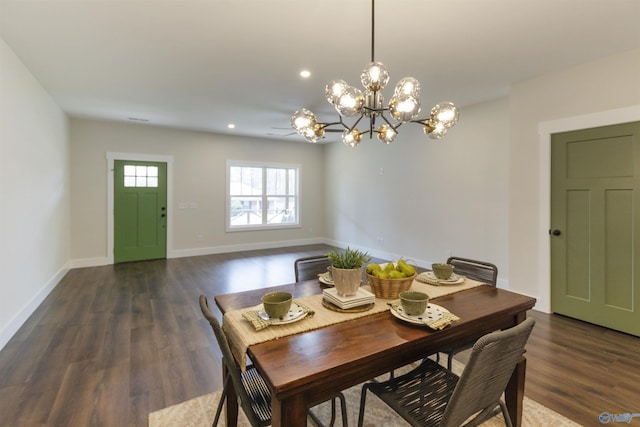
(477, 270)
(481, 271)
(308, 268)
(431, 395)
(252, 391)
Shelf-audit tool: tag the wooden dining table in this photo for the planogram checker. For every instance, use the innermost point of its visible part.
(305, 369)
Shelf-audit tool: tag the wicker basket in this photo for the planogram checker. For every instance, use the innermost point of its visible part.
(389, 288)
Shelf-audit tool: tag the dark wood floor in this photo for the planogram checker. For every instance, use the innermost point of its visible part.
(111, 344)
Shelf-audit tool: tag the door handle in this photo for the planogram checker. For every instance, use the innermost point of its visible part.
(555, 232)
(163, 215)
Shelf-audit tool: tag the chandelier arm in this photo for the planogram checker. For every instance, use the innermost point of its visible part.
(355, 124)
(326, 125)
(372, 123)
(389, 123)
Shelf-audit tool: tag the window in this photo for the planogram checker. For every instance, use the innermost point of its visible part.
(140, 176)
(262, 196)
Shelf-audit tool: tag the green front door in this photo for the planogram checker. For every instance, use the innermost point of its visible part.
(595, 220)
(140, 210)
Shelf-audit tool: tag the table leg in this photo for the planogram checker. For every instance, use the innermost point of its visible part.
(291, 412)
(231, 405)
(515, 392)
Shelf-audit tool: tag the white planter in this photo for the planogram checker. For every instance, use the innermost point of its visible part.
(346, 281)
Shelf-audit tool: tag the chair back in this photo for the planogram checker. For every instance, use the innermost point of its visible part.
(233, 369)
(477, 270)
(308, 268)
(485, 377)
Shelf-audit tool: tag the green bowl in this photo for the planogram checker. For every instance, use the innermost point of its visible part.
(414, 303)
(277, 304)
(442, 271)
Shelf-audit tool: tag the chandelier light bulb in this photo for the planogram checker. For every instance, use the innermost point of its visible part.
(302, 120)
(334, 89)
(437, 131)
(409, 86)
(313, 133)
(350, 103)
(403, 107)
(386, 134)
(374, 76)
(445, 113)
(351, 138)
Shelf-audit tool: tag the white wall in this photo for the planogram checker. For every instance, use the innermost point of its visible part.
(426, 198)
(594, 91)
(199, 177)
(34, 193)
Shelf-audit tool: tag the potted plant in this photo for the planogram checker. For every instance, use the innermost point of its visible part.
(346, 270)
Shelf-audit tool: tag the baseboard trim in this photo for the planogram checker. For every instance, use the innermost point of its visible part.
(88, 262)
(211, 250)
(30, 307)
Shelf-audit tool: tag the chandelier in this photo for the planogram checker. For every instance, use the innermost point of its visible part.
(353, 103)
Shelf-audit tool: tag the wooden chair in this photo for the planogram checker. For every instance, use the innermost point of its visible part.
(308, 268)
(431, 395)
(252, 391)
(477, 270)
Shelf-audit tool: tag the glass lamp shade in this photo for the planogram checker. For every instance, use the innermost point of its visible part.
(374, 76)
(350, 103)
(445, 113)
(386, 134)
(334, 89)
(436, 133)
(403, 107)
(302, 120)
(314, 133)
(351, 138)
(410, 86)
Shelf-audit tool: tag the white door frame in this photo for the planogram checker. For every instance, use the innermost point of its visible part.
(111, 158)
(545, 129)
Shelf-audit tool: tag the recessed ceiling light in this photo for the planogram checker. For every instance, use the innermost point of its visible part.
(231, 126)
(305, 73)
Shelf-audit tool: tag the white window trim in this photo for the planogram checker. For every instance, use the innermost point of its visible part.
(262, 227)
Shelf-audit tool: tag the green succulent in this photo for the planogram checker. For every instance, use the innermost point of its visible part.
(350, 258)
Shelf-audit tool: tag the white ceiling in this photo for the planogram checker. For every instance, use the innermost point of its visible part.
(201, 64)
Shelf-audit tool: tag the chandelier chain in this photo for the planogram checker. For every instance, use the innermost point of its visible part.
(373, 27)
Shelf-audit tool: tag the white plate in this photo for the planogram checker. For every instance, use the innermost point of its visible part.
(295, 313)
(433, 312)
(453, 280)
(325, 279)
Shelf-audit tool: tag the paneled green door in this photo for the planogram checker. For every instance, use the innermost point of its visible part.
(595, 220)
(140, 210)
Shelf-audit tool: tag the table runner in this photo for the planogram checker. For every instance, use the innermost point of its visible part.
(241, 333)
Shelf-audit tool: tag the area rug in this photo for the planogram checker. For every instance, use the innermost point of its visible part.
(199, 412)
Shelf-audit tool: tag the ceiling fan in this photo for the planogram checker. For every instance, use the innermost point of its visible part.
(295, 133)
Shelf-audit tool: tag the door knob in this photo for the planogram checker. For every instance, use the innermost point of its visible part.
(555, 232)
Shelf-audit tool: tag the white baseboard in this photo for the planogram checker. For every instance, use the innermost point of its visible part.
(88, 262)
(210, 250)
(30, 307)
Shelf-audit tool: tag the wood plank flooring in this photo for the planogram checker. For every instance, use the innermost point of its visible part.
(111, 344)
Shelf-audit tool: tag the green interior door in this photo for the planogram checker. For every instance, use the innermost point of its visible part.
(140, 210)
(595, 220)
